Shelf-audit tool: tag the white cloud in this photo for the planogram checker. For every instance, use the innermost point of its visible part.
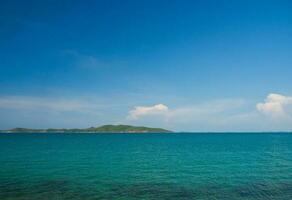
(142, 111)
(275, 106)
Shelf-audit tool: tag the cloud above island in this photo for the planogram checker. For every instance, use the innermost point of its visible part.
(142, 111)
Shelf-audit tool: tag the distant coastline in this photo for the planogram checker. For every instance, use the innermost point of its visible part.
(100, 129)
(127, 129)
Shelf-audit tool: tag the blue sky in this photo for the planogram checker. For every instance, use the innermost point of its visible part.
(182, 65)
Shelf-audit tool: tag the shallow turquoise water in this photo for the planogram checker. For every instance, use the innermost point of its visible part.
(146, 166)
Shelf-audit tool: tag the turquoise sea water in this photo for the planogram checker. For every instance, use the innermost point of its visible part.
(146, 166)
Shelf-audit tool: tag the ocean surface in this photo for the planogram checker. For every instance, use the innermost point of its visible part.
(251, 166)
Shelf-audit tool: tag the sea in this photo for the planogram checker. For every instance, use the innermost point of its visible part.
(167, 166)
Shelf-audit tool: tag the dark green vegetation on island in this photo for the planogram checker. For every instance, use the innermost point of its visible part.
(101, 129)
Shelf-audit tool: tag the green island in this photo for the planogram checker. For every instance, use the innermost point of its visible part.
(100, 129)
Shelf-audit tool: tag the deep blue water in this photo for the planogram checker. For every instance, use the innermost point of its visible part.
(146, 166)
